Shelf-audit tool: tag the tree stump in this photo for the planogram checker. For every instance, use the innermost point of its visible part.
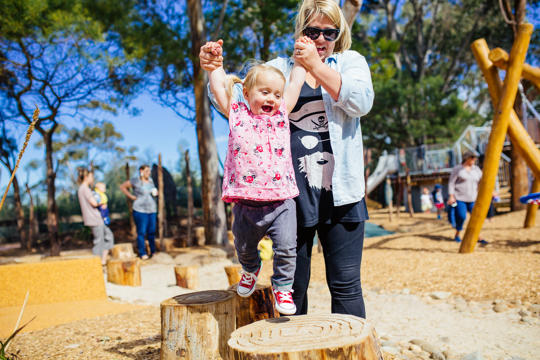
(122, 251)
(233, 273)
(200, 240)
(124, 272)
(197, 325)
(314, 337)
(187, 276)
(258, 306)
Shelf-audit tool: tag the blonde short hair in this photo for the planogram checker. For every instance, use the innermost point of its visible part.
(251, 78)
(310, 9)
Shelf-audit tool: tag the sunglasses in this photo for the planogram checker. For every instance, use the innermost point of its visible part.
(329, 34)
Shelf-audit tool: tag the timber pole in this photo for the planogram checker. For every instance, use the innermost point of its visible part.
(530, 219)
(521, 139)
(496, 138)
(500, 59)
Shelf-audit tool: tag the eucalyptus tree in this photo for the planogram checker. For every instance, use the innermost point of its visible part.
(54, 55)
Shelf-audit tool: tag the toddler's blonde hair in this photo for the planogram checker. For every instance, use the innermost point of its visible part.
(101, 186)
(251, 78)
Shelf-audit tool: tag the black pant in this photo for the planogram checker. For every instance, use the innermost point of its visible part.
(342, 249)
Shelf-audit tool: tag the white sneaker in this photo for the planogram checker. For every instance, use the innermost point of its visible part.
(247, 283)
(284, 302)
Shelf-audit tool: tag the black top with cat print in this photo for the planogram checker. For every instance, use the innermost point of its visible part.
(313, 163)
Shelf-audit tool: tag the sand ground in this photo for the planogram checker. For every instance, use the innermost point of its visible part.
(416, 284)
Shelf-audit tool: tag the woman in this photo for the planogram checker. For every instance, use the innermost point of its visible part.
(103, 236)
(463, 189)
(144, 209)
(326, 144)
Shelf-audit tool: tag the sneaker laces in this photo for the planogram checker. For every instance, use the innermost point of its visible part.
(284, 296)
(247, 279)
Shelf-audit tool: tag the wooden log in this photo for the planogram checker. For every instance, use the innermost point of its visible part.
(187, 276)
(499, 57)
(530, 218)
(233, 273)
(200, 240)
(124, 272)
(314, 337)
(122, 251)
(197, 325)
(258, 306)
(497, 136)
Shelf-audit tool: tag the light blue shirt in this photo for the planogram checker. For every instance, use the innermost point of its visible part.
(355, 100)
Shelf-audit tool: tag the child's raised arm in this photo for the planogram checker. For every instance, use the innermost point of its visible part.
(296, 79)
(212, 61)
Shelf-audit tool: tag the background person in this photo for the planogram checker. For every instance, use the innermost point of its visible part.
(326, 139)
(463, 190)
(103, 236)
(144, 209)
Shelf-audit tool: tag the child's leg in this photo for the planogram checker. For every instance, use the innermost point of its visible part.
(248, 230)
(283, 235)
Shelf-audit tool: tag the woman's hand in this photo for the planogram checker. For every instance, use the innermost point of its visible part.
(211, 55)
(451, 199)
(305, 53)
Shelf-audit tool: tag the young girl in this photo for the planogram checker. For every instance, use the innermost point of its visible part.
(258, 173)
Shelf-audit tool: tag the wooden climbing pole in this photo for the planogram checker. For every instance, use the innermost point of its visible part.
(496, 139)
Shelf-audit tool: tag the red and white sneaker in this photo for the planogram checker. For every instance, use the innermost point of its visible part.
(246, 286)
(284, 302)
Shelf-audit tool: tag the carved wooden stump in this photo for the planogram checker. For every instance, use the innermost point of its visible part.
(314, 337)
(124, 272)
(200, 240)
(233, 273)
(258, 306)
(122, 251)
(187, 276)
(197, 325)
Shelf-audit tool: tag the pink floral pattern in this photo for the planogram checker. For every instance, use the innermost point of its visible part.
(258, 164)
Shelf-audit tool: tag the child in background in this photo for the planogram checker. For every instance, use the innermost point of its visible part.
(438, 199)
(102, 200)
(425, 200)
(258, 173)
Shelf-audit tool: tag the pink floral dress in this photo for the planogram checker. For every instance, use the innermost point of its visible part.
(259, 163)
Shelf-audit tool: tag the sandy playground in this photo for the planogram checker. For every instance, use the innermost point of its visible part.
(424, 298)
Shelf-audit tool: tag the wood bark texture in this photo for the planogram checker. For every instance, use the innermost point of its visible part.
(530, 218)
(197, 325)
(314, 337)
(258, 306)
(124, 272)
(199, 235)
(233, 273)
(187, 276)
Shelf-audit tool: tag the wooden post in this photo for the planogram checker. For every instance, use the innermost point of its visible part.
(124, 272)
(197, 325)
(189, 187)
(187, 276)
(314, 337)
(199, 235)
(399, 195)
(530, 219)
(132, 226)
(233, 273)
(499, 57)
(409, 195)
(496, 139)
(122, 251)
(258, 306)
(521, 139)
(161, 204)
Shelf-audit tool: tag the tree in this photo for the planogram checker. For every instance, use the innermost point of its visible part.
(55, 56)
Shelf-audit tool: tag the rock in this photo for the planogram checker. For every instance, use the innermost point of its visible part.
(523, 312)
(528, 320)
(440, 295)
(500, 308)
(431, 349)
(449, 354)
(390, 349)
(473, 356)
(415, 348)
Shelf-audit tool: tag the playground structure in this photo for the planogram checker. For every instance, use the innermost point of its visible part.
(437, 161)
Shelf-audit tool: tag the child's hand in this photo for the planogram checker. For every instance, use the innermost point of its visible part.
(211, 55)
(305, 52)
